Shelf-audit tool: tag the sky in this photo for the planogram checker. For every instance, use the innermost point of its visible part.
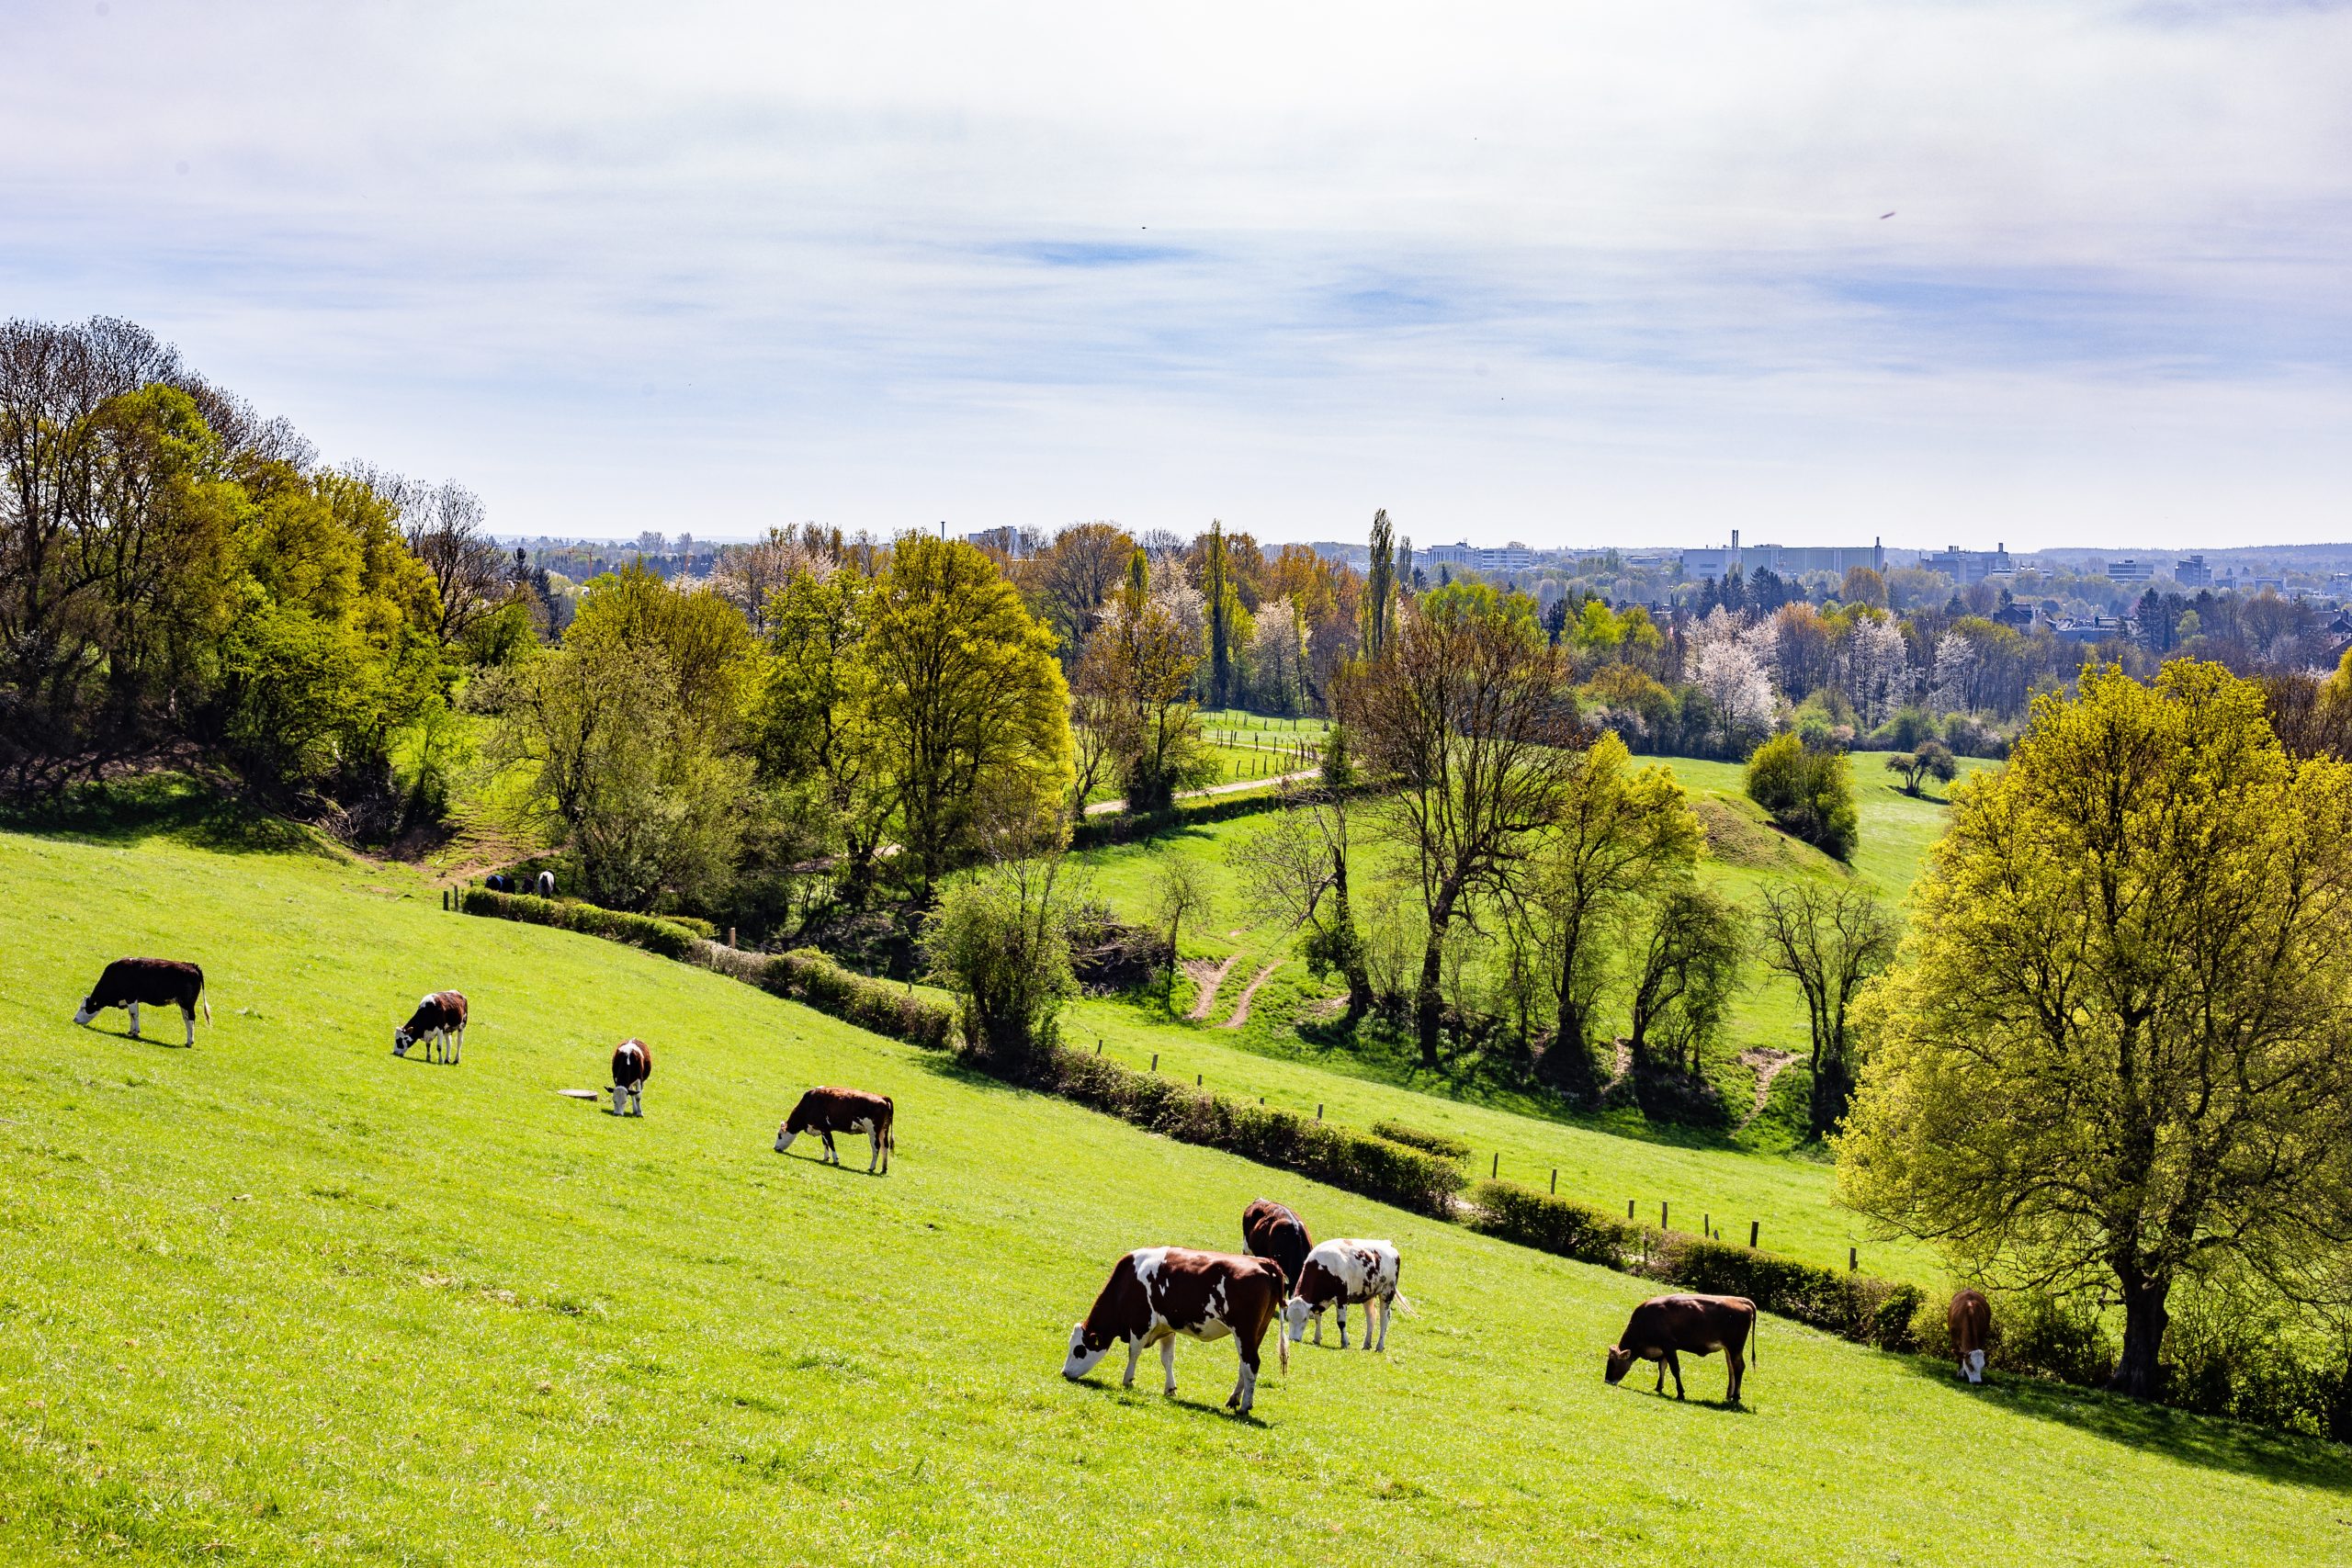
(1570, 274)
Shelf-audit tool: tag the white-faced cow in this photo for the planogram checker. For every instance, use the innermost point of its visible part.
(1664, 1327)
(544, 884)
(1156, 1293)
(440, 1021)
(1340, 1273)
(1271, 1230)
(133, 983)
(1970, 1319)
(825, 1112)
(632, 1064)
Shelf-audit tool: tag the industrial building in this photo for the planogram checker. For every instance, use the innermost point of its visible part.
(1787, 560)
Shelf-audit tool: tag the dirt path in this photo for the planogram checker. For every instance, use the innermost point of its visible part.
(1236, 788)
(1209, 976)
(1770, 1063)
(1242, 1008)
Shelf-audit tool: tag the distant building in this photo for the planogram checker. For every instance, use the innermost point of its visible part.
(1786, 560)
(1005, 541)
(1964, 567)
(1513, 556)
(2098, 629)
(2192, 572)
(2130, 571)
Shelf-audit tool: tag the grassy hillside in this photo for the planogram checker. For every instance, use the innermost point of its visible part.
(282, 1298)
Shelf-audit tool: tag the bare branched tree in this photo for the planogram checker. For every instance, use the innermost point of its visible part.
(444, 524)
(1828, 940)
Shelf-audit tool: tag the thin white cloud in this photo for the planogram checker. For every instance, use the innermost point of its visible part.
(1564, 273)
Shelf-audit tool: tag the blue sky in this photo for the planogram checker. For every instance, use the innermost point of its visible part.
(1561, 272)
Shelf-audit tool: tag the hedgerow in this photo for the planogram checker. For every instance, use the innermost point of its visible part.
(666, 937)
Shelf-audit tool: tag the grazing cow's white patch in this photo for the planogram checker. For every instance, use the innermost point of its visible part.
(1341, 1271)
(1973, 1363)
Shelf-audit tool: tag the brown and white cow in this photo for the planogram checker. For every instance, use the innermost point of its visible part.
(825, 1112)
(440, 1021)
(1664, 1327)
(1346, 1271)
(632, 1064)
(132, 983)
(1156, 1293)
(1970, 1319)
(1271, 1230)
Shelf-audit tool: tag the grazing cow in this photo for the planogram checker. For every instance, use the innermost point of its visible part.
(632, 1064)
(1345, 1273)
(546, 884)
(1663, 1326)
(440, 1021)
(1156, 1293)
(497, 884)
(1270, 1230)
(129, 983)
(1970, 1319)
(825, 1112)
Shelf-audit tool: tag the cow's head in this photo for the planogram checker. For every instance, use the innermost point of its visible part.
(1972, 1366)
(87, 1010)
(621, 1099)
(402, 1040)
(783, 1136)
(1083, 1353)
(1294, 1316)
(1620, 1359)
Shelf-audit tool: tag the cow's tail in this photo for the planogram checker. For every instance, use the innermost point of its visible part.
(206, 1002)
(1398, 1302)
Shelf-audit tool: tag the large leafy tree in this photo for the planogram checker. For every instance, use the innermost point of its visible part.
(2116, 1051)
(1468, 710)
(1618, 835)
(968, 706)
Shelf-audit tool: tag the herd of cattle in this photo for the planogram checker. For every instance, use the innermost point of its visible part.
(1280, 1281)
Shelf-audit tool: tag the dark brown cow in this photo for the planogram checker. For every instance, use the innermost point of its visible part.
(440, 1021)
(1663, 1326)
(825, 1112)
(1156, 1293)
(632, 1064)
(1270, 1230)
(132, 983)
(1970, 1319)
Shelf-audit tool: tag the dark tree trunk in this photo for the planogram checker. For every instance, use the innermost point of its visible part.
(1833, 1091)
(2146, 1318)
(1567, 1063)
(1426, 1002)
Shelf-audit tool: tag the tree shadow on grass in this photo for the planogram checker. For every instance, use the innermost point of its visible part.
(180, 806)
(2211, 1442)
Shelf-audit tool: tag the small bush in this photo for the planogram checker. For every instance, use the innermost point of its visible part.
(1437, 1143)
(1809, 792)
(667, 938)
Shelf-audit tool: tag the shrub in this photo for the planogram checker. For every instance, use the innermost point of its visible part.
(1119, 828)
(807, 976)
(1358, 1162)
(999, 940)
(1810, 793)
(1558, 1225)
(667, 938)
(2056, 1337)
(1437, 1143)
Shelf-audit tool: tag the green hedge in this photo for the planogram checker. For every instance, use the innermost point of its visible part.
(1357, 1162)
(1859, 1307)
(666, 937)
(1437, 1143)
(808, 976)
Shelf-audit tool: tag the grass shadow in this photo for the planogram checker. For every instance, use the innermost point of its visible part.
(180, 806)
(1111, 1387)
(2210, 1442)
(151, 1042)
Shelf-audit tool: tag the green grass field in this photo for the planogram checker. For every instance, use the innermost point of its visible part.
(285, 1299)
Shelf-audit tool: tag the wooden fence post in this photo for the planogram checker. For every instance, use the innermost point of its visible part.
(1629, 1208)
(1853, 1259)
(1498, 1165)
(1751, 1236)
(1661, 1213)
(1155, 1061)
(1555, 1181)
(1196, 1080)
(1318, 1110)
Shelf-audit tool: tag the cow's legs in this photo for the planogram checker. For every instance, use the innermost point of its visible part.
(833, 1154)
(1135, 1354)
(1343, 1323)
(1738, 1365)
(458, 1046)
(873, 1149)
(1168, 1365)
(1661, 1376)
(1244, 1387)
(188, 1016)
(1318, 1315)
(637, 1100)
(1387, 1311)
(1674, 1361)
(134, 1018)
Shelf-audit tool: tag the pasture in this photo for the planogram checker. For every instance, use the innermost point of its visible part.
(285, 1299)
